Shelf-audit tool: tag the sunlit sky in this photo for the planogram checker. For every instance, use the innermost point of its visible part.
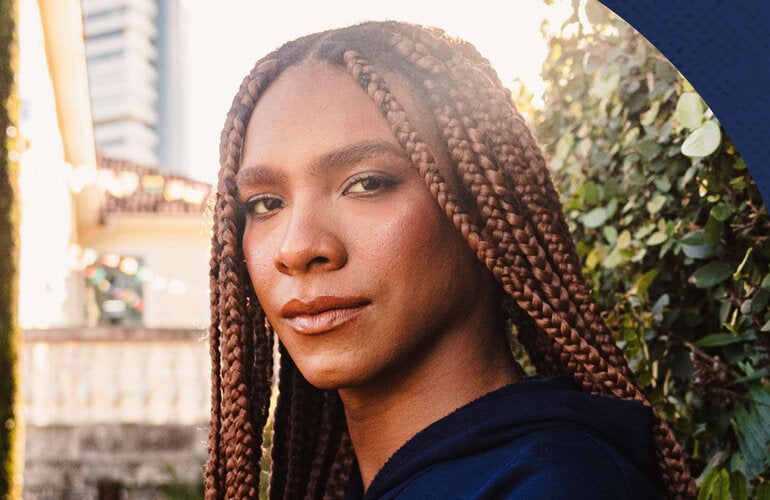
(228, 36)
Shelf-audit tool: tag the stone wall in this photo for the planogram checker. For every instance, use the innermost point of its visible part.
(106, 461)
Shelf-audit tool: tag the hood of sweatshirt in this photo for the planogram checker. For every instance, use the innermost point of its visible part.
(535, 406)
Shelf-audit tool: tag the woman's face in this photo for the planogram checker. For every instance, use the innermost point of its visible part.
(357, 268)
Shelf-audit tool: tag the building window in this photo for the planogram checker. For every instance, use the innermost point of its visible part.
(114, 290)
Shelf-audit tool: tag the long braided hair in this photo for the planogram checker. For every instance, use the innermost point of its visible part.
(505, 206)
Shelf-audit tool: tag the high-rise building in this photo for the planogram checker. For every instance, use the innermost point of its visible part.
(136, 55)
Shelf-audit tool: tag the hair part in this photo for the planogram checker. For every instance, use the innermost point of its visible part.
(500, 198)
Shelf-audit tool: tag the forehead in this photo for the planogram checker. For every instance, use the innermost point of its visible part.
(308, 110)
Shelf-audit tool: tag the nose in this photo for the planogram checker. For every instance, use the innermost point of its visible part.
(311, 243)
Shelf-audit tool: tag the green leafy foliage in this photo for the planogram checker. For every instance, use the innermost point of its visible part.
(674, 237)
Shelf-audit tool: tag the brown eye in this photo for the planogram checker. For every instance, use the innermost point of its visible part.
(264, 204)
(369, 183)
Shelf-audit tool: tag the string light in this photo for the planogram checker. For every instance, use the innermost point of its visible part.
(121, 184)
(129, 266)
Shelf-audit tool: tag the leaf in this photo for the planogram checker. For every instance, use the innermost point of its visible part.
(762, 491)
(707, 486)
(703, 141)
(722, 486)
(752, 426)
(593, 258)
(650, 149)
(719, 339)
(686, 85)
(605, 87)
(662, 184)
(698, 251)
(737, 274)
(590, 192)
(759, 301)
(644, 281)
(594, 218)
(712, 274)
(663, 301)
(713, 231)
(759, 374)
(693, 238)
(624, 239)
(615, 258)
(651, 114)
(657, 238)
(695, 245)
(721, 211)
(738, 486)
(656, 203)
(689, 110)
(766, 282)
(610, 234)
(563, 146)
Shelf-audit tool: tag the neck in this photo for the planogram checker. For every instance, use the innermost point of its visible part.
(384, 415)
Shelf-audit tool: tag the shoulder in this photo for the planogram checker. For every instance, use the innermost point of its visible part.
(559, 461)
(564, 461)
(533, 439)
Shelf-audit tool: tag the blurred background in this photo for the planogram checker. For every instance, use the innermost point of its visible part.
(114, 128)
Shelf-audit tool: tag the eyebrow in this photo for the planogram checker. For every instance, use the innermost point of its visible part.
(341, 157)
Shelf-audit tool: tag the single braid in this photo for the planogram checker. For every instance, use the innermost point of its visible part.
(306, 408)
(322, 458)
(215, 464)
(279, 466)
(341, 469)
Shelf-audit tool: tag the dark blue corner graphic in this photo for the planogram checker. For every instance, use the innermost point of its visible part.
(723, 49)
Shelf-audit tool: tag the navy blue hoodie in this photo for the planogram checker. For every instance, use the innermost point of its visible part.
(535, 439)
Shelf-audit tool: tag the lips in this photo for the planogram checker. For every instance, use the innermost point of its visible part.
(321, 314)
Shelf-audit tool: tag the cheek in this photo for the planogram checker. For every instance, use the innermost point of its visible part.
(259, 263)
(418, 240)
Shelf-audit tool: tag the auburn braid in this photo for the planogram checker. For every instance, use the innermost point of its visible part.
(279, 465)
(339, 476)
(329, 436)
(513, 222)
(215, 465)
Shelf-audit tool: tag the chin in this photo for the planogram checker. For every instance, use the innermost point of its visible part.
(327, 378)
(323, 377)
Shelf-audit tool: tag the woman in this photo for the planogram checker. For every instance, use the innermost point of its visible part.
(384, 212)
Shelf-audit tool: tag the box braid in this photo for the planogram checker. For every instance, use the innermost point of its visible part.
(500, 197)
